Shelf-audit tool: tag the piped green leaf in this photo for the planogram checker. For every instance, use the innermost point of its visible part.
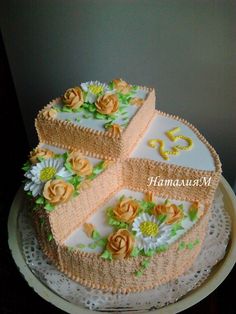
(49, 207)
(40, 200)
(192, 213)
(96, 235)
(107, 255)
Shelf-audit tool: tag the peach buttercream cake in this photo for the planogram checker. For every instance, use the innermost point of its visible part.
(120, 192)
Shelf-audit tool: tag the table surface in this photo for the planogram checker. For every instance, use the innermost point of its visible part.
(218, 274)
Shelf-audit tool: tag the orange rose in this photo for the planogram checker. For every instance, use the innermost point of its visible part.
(137, 101)
(49, 113)
(115, 130)
(80, 165)
(126, 210)
(120, 243)
(40, 152)
(173, 212)
(57, 191)
(107, 104)
(73, 98)
(121, 86)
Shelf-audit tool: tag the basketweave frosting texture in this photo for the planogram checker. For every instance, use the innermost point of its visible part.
(129, 172)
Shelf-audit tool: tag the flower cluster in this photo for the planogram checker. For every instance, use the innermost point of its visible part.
(141, 227)
(52, 179)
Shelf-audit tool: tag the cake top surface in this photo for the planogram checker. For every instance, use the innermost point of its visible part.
(198, 156)
(97, 105)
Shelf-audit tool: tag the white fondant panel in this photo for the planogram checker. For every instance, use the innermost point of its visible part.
(199, 157)
(98, 219)
(98, 124)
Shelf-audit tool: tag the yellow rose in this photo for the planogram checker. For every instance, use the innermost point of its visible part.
(73, 98)
(173, 212)
(80, 165)
(107, 104)
(120, 243)
(121, 86)
(40, 152)
(57, 191)
(126, 210)
(49, 113)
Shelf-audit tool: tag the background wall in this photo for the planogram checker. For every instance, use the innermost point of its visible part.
(185, 49)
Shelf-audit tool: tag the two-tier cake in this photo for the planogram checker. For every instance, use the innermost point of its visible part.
(120, 191)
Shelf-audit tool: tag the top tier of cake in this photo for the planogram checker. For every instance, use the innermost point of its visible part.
(103, 121)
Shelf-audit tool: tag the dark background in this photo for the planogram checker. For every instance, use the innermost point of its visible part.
(19, 91)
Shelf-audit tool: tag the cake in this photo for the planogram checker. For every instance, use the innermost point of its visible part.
(120, 192)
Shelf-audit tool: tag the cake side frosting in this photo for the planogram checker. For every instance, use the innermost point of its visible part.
(109, 143)
(152, 145)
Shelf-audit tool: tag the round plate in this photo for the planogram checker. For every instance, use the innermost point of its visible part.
(217, 275)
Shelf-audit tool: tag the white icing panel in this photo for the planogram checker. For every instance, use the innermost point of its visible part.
(199, 157)
(97, 124)
(98, 219)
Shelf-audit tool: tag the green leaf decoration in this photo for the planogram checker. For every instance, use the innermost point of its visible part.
(102, 242)
(64, 155)
(121, 198)
(111, 85)
(92, 108)
(65, 109)
(196, 242)
(92, 245)
(29, 193)
(96, 235)
(192, 213)
(40, 200)
(134, 88)
(117, 224)
(146, 206)
(75, 193)
(40, 158)
(162, 248)
(108, 124)
(68, 166)
(107, 255)
(49, 207)
(149, 252)
(78, 119)
(190, 246)
(182, 246)
(50, 237)
(26, 166)
(81, 246)
(145, 263)
(100, 116)
(138, 273)
(135, 252)
(161, 218)
(175, 229)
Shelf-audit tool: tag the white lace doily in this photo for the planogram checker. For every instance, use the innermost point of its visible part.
(213, 250)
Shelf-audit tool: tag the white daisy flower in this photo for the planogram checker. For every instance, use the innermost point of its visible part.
(149, 232)
(93, 90)
(42, 172)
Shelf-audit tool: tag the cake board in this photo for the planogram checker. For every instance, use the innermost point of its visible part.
(218, 274)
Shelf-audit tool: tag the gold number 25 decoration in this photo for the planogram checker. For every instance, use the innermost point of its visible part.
(175, 149)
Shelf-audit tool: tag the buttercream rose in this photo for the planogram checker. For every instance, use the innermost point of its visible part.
(80, 165)
(121, 86)
(126, 210)
(58, 191)
(49, 113)
(120, 243)
(107, 104)
(73, 98)
(173, 213)
(40, 152)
